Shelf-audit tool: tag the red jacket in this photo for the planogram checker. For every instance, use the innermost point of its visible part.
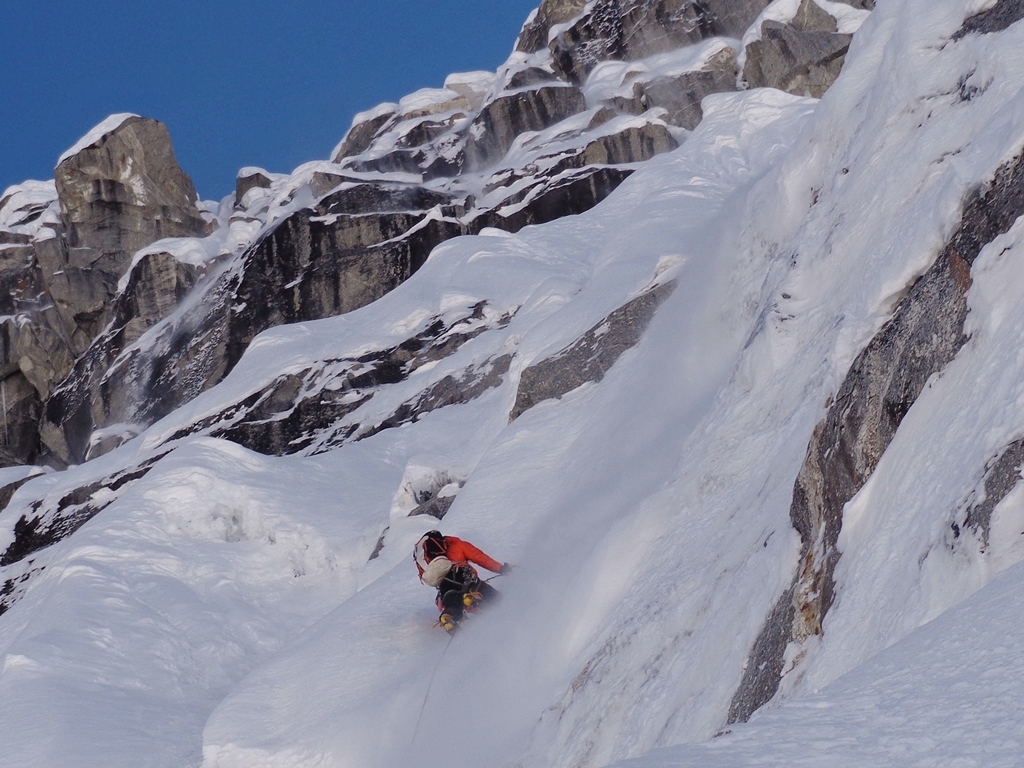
(461, 552)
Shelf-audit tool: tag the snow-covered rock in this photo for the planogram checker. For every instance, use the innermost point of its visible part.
(676, 81)
(637, 29)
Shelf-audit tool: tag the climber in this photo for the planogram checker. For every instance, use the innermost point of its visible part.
(444, 562)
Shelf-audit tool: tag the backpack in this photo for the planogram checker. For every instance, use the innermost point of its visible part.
(430, 556)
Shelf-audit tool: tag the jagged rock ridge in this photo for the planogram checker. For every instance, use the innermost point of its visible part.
(533, 142)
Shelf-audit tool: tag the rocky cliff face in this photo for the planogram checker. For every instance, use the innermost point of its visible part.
(802, 55)
(117, 195)
(592, 90)
(119, 190)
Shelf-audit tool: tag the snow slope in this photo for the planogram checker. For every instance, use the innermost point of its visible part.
(231, 609)
(521, 504)
(947, 694)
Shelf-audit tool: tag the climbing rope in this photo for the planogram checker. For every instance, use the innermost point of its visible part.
(430, 683)
(433, 672)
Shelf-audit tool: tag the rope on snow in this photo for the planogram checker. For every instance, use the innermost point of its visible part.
(429, 684)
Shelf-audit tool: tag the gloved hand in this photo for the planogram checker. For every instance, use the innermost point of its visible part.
(506, 567)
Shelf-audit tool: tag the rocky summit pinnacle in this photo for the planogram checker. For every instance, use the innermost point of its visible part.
(117, 195)
(116, 191)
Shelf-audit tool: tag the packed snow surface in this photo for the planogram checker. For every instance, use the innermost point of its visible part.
(234, 610)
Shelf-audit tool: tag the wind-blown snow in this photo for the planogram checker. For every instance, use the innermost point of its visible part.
(232, 610)
(473, 85)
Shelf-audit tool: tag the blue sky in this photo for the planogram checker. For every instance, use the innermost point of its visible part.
(272, 83)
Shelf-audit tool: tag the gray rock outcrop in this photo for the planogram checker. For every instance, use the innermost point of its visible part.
(361, 135)
(353, 247)
(680, 95)
(247, 179)
(633, 144)
(501, 121)
(802, 57)
(627, 30)
(118, 195)
(734, 17)
(22, 409)
(20, 280)
(534, 35)
(156, 284)
(995, 19)
(568, 194)
(591, 356)
(119, 191)
(1002, 475)
(350, 249)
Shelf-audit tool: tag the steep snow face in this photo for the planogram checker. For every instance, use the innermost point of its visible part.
(181, 532)
(834, 237)
(565, 492)
(230, 609)
(946, 694)
(948, 116)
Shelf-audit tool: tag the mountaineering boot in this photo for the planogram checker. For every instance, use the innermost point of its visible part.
(471, 598)
(447, 623)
